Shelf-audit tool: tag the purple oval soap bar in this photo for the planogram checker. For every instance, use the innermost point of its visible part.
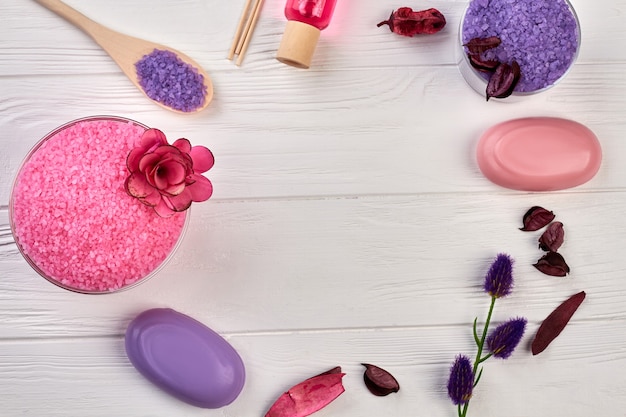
(185, 358)
(539, 154)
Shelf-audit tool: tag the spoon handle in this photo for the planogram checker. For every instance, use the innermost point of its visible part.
(120, 47)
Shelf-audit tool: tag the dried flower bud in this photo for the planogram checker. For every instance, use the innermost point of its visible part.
(552, 263)
(483, 65)
(309, 396)
(378, 381)
(554, 324)
(503, 340)
(535, 218)
(477, 46)
(461, 381)
(407, 22)
(503, 81)
(552, 239)
(499, 278)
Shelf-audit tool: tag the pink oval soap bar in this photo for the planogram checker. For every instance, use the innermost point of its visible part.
(539, 154)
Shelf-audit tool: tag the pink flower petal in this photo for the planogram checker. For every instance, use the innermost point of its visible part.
(201, 189)
(148, 161)
(137, 186)
(133, 158)
(174, 189)
(151, 138)
(183, 145)
(152, 199)
(309, 396)
(180, 202)
(163, 210)
(203, 159)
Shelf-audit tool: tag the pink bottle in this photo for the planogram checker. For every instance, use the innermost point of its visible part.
(306, 19)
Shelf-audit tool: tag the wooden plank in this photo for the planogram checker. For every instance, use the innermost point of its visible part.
(84, 376)
(351, 41)
(378, 139)
(380, 262)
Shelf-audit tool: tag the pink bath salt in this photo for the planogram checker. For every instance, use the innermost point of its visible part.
(72, 217)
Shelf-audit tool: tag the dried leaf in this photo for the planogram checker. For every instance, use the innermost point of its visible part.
(503, 81)
(378, 381)
(552, 239)
(552, 263)
(554, 324)
(535, 218)
(309, 396)
(477, 46)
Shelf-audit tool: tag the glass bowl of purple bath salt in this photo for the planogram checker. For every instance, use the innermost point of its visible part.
(73, 220)
(542, 36)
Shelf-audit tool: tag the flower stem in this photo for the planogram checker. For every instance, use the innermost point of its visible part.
(480, 344)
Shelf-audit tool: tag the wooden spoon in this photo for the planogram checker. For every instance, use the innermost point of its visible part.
(125, 50)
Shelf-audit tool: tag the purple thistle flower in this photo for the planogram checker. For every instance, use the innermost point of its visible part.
(499, 278)
(461, 380)
(504, 339)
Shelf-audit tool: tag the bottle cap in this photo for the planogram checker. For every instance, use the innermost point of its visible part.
(298, 44)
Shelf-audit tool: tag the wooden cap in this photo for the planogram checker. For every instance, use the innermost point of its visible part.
(298, 44)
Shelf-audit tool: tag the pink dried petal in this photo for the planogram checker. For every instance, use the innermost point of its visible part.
(201, 189)
(152, 199)
(148, 161)
(180, 202)
(477, 46)
(137, 186)
(553, 237)
(163, 210)
(203, 159)
(183, 145)
(309, 396)
(152, 138)
(133, 158)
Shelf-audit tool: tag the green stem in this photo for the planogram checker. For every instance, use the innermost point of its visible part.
(479, 359)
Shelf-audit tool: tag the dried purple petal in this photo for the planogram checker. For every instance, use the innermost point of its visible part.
(378, 381)
(552, 263)
(461, 381)
(477, 46)
(499, 278)
(535, 218)
(503, 81)
(482, 65)
(503, 340)
(552, 239)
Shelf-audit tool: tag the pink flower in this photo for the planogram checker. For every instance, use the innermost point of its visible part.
(167, 177)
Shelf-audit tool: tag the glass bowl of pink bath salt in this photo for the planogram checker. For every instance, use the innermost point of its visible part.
(541, 36)
(73, 220)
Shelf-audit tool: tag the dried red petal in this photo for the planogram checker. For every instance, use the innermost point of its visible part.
(309, 396)
(406, 22)
(552, 263)
(552, 239)
(554, 324)
(535, 218)
(378, 381)
(477, 46)
(503, 81)
(482, 65)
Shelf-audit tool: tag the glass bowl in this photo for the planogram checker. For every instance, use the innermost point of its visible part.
(72, 219)
(478, 80)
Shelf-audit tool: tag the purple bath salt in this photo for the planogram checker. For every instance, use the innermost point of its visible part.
(168, 80)
(541, 35)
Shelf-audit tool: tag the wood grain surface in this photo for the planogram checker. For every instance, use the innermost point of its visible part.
(350, 222)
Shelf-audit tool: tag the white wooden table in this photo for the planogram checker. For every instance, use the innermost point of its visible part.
(349, 223)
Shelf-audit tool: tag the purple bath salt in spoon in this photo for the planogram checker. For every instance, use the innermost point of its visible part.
(168, 77)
